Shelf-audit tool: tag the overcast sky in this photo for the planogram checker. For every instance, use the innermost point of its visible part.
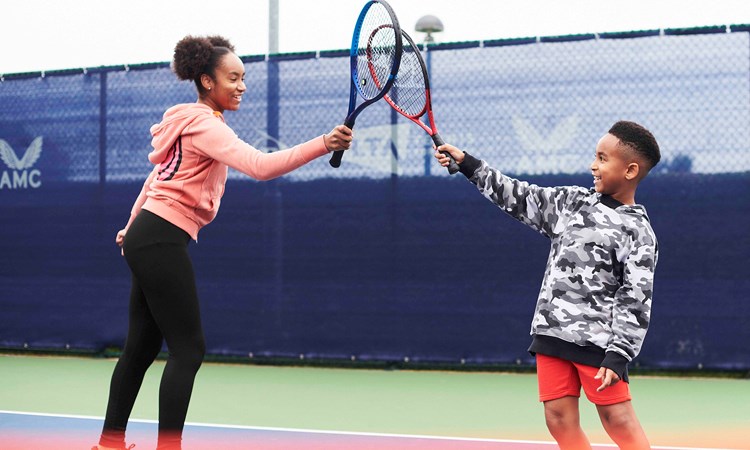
(62, 34)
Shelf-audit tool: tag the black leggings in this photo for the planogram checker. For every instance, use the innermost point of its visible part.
(163, 307)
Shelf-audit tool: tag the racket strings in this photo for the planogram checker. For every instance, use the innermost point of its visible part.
(376, 52)
(408, 91)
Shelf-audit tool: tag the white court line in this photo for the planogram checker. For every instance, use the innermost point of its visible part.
(343, 433)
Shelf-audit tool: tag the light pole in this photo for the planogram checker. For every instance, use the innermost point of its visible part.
(428, 24)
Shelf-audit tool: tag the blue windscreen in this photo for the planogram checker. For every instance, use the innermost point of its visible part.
(387, 257)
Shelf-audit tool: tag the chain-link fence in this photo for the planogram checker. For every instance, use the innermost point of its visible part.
(349, 262)
(538, 106)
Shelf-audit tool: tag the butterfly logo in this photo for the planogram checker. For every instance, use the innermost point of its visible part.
(27, 161)
(19, 176)
(560, 138)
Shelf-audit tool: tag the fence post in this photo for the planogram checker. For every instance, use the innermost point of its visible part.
(273, 214)
(103, 128)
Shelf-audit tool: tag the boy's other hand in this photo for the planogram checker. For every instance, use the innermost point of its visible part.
(457, 154)
(608, 377)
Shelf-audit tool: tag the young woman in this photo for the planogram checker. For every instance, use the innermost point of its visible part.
(192, 149)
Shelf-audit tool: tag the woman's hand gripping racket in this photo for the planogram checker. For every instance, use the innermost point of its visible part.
(410, 94)
(375, 55)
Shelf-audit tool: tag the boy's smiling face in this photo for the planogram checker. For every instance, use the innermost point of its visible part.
(612, 166)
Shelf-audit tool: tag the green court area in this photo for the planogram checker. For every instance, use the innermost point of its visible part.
(675, 411)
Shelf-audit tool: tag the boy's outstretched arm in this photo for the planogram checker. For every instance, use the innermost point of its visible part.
(535, 206)
(515, 197)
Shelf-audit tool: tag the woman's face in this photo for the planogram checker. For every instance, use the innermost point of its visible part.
(228, 86)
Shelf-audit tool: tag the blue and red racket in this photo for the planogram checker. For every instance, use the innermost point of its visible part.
(410, 94)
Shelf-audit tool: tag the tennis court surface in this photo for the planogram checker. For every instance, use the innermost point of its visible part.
(58, 402)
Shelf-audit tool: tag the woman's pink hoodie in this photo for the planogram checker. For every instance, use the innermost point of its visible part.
(192, 149)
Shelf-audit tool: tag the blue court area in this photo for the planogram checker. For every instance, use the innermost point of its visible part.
(25, 431)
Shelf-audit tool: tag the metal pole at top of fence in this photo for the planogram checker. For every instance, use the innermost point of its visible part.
(272, 94)
(273, 26)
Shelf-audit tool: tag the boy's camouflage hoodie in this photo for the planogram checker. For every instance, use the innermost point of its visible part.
(594, 305)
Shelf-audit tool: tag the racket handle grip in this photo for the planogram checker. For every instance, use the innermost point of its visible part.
(453, 165)
(335, 160)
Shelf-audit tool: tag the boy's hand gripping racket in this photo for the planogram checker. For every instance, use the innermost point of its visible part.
(374, 58)
(410, 94)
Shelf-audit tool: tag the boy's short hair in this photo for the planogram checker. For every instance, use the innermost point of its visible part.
(638, 139)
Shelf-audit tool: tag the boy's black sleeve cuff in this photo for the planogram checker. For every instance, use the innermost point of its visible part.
(617, 363)
(469, 165)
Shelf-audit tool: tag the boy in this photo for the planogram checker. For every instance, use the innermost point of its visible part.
(595, 301)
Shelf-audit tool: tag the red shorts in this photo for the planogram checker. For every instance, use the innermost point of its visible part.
(559, 378)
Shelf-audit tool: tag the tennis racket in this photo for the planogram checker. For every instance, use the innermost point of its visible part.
(375, 55)
(410, 94)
